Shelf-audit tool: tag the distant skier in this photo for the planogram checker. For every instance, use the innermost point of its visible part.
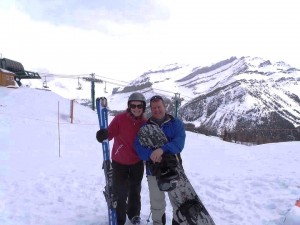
(128, 169)
(174, 130)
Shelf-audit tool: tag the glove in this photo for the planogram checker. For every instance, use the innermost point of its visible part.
(101, 135)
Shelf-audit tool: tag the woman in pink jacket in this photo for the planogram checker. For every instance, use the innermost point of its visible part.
(128, 169)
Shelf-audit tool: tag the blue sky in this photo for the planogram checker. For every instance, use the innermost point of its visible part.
(123, 39)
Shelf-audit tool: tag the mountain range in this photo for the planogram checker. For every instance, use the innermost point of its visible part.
(246, 99)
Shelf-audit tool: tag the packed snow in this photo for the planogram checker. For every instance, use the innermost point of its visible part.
(51, 174)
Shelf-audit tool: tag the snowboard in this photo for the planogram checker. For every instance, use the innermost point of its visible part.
(190, 209)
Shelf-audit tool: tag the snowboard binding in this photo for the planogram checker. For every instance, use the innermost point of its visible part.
(167, 180)
(190, 210)
(166, 173)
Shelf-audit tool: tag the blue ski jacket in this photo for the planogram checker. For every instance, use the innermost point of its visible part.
(174, 130)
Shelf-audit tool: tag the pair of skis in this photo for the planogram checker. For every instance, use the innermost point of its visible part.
(101, 105)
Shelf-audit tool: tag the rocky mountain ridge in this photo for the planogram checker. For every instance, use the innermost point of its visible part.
(247, 95)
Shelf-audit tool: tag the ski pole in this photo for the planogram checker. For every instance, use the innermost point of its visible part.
(148, 220)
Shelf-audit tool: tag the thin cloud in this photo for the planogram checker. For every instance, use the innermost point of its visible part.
(93, 14)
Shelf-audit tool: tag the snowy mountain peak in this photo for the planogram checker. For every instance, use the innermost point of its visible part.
(236, 93)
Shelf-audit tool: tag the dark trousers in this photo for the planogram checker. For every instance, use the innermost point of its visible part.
(127, 187)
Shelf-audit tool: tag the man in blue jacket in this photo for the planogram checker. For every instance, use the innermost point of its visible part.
(174, 130)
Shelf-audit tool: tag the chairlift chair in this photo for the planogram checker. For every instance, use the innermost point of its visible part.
(45, 83)
(79, 85)
(105, 91)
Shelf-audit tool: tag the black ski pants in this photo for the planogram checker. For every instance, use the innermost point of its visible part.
(127, 181)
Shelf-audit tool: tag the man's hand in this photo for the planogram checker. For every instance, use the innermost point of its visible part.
(156, 155)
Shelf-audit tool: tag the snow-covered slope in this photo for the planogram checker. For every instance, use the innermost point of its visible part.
(238, 184)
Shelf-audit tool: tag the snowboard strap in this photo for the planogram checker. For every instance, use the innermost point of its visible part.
(190, 210)
(167, 180)
(166, 172)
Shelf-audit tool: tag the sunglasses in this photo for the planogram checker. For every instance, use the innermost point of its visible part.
(156, 98)
(133, 106)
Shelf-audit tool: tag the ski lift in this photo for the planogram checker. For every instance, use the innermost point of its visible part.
(79, 85)
(45, 83)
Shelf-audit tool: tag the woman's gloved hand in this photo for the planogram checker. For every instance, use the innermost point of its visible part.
(102, 135)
